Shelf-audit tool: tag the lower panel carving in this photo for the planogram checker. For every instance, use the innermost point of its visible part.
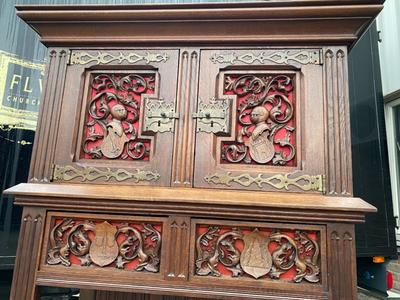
(115, 243)
(258, 252)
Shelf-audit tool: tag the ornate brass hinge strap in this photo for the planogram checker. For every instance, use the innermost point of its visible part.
(159, 116)
(279, 181)
(213, 117)
(104, 57)
(285, 57)
(67, 173)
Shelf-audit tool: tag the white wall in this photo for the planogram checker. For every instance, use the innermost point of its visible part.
(389, 49)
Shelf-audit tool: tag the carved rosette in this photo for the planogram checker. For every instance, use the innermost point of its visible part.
(112, 118)
(265, 130)
(103, 244)
(286, 255)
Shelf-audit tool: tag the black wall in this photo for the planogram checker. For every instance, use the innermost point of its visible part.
(371, 179)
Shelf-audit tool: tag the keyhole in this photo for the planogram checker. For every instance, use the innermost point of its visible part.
(212, 123)
(159, 123)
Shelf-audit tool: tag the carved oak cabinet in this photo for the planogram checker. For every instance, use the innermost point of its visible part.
(196, 150)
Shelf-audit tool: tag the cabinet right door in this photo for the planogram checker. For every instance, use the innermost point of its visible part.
(259, 120)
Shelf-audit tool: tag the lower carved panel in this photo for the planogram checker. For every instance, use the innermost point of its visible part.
(262, 253)
(122, 244)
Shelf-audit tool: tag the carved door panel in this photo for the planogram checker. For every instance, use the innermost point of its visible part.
(257, 127)
(119, 122)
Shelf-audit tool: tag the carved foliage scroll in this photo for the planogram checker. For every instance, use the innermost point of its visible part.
(100, 243)
(265, 132)
(112, 116)
(290, 255)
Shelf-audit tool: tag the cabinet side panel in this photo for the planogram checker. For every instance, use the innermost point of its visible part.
(337, 123)
(46, 136)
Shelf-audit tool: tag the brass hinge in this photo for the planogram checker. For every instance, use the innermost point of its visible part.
(213, 116)
(88, 173)
(159, 116)
(321, 57)
(53, 168)
(285, 181)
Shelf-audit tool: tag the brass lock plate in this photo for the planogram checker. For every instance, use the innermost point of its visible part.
(159, 116)
(213, 116)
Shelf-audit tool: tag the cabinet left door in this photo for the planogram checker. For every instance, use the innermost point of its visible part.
(117, 117)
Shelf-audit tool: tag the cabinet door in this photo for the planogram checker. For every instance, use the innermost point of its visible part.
(117, 117)
(260, 120)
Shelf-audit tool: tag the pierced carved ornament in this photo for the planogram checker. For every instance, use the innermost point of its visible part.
(287, 57)
(102, 58)
(103, 244)
(265, 120)
(279, 181)
(112, 121)
(287, 255)
(67, 173)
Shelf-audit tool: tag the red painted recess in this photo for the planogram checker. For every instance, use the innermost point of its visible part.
(258, 88)
(238, 244)
(119, 238)
(132, 90)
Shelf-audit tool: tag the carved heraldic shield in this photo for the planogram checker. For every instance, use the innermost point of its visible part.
(104, 248)
(255, 259)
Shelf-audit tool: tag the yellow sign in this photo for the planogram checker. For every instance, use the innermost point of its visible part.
(20, 89)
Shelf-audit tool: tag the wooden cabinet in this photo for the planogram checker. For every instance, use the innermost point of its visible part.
(273, 129)
(112, 123)
(251, 124)
(177, 157)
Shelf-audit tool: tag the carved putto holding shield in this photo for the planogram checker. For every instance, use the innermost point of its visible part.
(115, 138)
(260, 147)
(265, 120)
(112, 127)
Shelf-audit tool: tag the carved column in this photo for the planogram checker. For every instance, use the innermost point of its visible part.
(177, 256)
(337, 122)
(45, 138)
(23, 286)
(184, 140)
(341, 262)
